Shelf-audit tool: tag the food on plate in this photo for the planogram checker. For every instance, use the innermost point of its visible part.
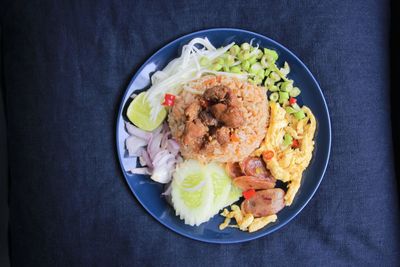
(139, 111)
(264, 202)
(245, 221)
(253, 182)
(220, 119)
(199, 191)
(290, 159)
(222, 127)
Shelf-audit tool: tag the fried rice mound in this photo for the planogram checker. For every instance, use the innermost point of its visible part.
(219, 118)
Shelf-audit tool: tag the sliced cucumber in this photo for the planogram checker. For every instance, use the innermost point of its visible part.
(199, 191)
(234, 195)
(222, 186)
(192, 193)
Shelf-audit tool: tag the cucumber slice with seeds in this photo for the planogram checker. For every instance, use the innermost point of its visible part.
(192, 193)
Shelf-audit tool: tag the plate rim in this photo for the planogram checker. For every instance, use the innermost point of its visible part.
(327, 155)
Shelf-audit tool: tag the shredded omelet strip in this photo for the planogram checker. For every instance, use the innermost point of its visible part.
(288, 164)
(245, 222)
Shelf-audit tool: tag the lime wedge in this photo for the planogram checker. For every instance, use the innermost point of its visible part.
(139, 113)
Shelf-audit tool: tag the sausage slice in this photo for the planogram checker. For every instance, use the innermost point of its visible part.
(264, 203)
(233, 169)
(254, 166)
(252, 182)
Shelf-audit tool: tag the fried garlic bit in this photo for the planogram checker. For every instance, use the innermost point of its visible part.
(245, 222)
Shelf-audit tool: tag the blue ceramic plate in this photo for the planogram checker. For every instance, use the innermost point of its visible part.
(148, 193)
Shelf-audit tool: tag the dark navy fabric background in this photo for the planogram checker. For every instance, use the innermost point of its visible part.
(65, 67)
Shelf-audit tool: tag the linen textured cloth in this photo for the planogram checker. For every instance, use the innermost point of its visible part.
(65, 67)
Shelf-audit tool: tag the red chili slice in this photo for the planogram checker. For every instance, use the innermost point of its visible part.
(295, 143)
(169, 100)
(249, 193)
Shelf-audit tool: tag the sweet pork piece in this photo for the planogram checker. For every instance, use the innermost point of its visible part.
(216, 94)
(195, 133)
(223, 135)
(218, 110)
(232, 118)
(207, 118)
(219, 116)
(192, 111)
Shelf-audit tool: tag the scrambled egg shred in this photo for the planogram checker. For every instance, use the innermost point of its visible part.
(245, 222)
(289, 163)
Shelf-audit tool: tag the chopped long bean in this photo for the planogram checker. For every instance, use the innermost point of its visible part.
(295, 92)
(234, 50)
(272, 55)
(299, 115)
(286, 86)
(217, 67)
(245, 46)
(261, 66)
(287, 139)
(274, 97)
(283, 97)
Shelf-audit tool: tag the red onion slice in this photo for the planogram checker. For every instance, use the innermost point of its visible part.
(154, 145)
(168, 189)
(133, 130)
(173, 147)
(134, 145)
(140, 171)
(145, 159)
(160, 156)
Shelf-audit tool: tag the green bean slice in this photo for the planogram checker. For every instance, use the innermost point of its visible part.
(299, 115)
(216, 67)
(274, 97)
(295, 92)
(204, 61)
(287, 139)
(245, 46)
